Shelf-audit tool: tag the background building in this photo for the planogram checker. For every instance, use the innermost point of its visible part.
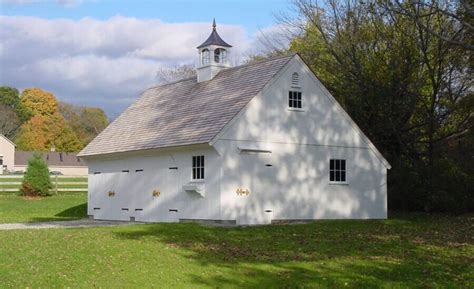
(17, 161)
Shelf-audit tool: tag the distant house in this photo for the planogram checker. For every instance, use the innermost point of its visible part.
(252, 144)
(7, 154)
(12, 160)
(66, 163)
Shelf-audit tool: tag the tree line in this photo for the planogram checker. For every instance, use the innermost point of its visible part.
(403, 71)
(36, 121)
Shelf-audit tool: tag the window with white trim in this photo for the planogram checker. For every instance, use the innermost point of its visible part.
(337, 170)
(294, 99)
(198, 168)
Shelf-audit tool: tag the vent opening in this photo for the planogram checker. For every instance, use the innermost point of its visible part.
(295, 79)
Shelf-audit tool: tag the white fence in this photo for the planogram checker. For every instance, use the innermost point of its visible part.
(12, 183)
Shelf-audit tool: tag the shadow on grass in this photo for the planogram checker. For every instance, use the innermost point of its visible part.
(72, 213)
(78, 211)
(415, 252)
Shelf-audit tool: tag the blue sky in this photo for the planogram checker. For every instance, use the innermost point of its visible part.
(105, 53)
(252, 14)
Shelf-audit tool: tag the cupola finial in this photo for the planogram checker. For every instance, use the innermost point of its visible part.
(214, 24)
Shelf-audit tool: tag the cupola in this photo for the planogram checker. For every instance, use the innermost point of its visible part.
(213, 56)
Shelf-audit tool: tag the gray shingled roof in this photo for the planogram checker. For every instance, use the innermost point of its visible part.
(185, 112)
(55, 159)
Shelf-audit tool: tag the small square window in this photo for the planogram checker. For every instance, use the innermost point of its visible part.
(337, 170)
(198, 168)
(294, 99)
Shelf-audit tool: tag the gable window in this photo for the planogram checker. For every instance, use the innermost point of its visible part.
(294, 99)
(198, 168)
(337, 171)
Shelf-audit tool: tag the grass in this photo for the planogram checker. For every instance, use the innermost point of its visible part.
(70, 186)
(64, 206)
(405, 252)
(72, 179)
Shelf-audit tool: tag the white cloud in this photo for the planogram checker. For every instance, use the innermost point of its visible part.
(104, 63)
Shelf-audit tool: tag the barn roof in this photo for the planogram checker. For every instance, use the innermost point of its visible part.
(185, 112)
(55, 159)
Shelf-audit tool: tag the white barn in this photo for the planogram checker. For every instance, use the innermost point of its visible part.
(252, 144)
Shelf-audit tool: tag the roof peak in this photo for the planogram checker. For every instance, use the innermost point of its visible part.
(214, 38)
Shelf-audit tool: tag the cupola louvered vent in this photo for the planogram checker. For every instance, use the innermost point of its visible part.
(295, 79)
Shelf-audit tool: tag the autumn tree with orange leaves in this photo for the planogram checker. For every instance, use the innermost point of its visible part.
(46, 127)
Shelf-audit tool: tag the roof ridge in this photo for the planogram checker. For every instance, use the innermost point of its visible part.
(226, 69)
(172, 82)
(263, 61)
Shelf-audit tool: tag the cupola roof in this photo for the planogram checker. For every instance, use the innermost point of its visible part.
(214, 38)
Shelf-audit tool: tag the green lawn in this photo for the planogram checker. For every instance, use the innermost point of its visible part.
(404, 252)
(53, 179)
(64, 206)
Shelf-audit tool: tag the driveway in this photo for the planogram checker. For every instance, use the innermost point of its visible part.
(83, 223)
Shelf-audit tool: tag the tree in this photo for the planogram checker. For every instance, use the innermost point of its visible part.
(36, 181)
(46, 128)
(166, 75)
(35, 101)
(9, 96)
(459, 14)
(9, 121)
(86, 122)
(44, 132)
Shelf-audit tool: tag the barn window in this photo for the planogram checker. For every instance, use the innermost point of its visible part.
(337, 171)
(294, 99)
(198, 167)
(295, 79)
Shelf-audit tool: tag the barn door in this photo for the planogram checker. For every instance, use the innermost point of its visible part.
(138, 194)
(123, 195)
(93, 195)
(105, 201)
(158, 199)
(171, 197)
(257, 175)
